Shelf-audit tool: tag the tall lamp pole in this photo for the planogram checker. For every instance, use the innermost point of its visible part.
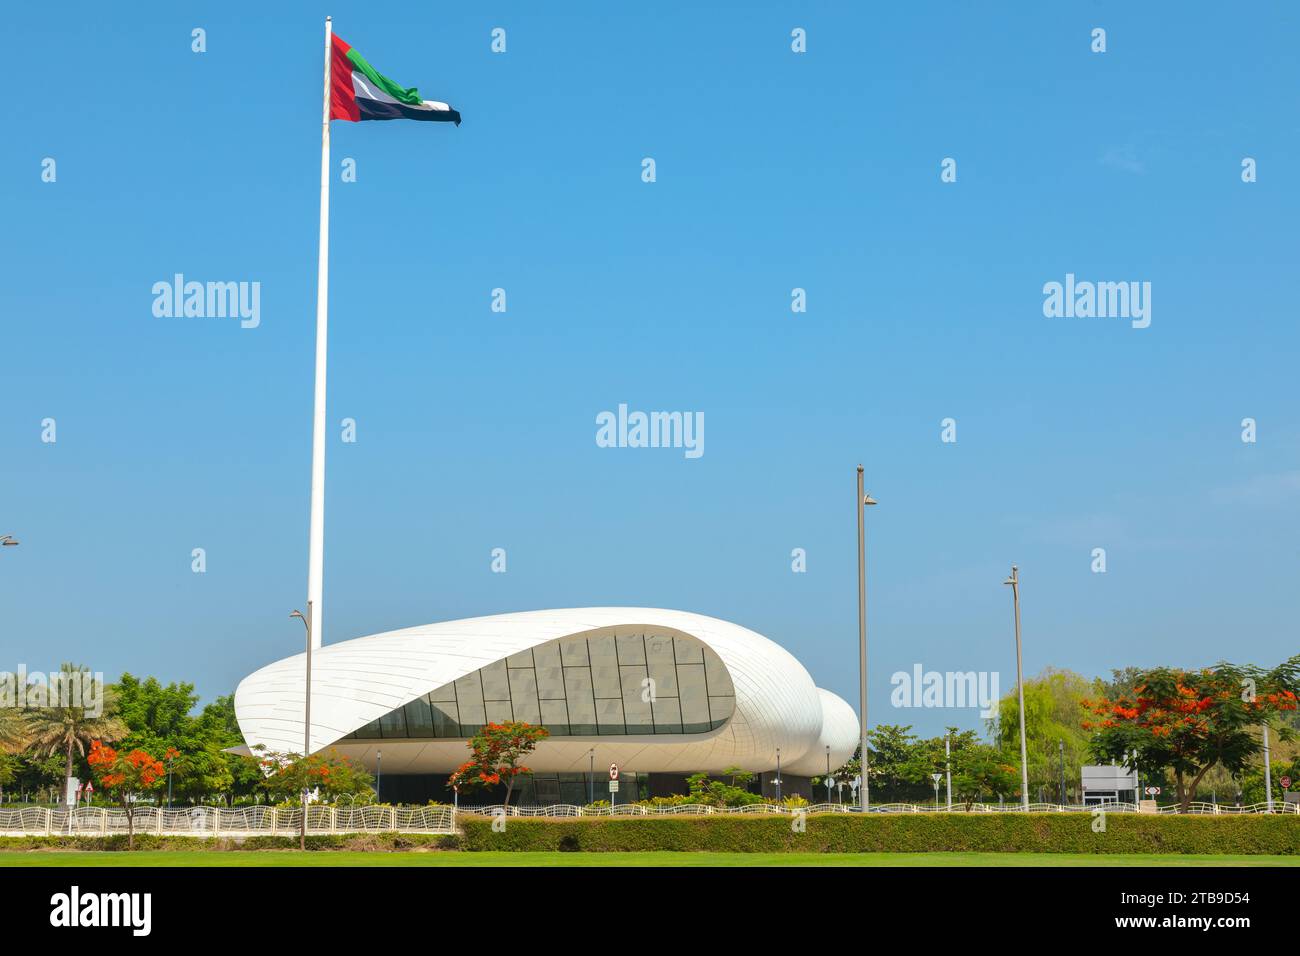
(947, 766)
(306, 718)
(1268, 773)
(1014, 581)
(863, 500)
(1060, 749)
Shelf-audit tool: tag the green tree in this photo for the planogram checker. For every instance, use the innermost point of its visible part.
(69, 728)
(495, 755)
(980, 769)
(126, 776)
(1054, 714)
(1186, 722)
(289, 775)
(720, 793)
(15, 730)
(9, 765)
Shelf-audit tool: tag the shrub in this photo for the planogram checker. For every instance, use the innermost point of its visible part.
(903, 832)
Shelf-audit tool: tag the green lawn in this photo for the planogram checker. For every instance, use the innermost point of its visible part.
(351, 858)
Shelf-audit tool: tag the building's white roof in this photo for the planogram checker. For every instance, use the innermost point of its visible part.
(355, 682)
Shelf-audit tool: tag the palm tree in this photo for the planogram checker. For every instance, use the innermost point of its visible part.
(65, 727)
(14, 730)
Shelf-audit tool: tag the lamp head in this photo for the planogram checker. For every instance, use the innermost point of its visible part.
(868, 500)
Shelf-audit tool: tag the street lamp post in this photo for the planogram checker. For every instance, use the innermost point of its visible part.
(1268, 773)
(947, 766)
(1014, 581)
(306, 718)
(863, 500)
(778, 774)
(591, 776)
(1060, 749)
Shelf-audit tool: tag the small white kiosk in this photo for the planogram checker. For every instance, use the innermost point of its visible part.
(1107, 783)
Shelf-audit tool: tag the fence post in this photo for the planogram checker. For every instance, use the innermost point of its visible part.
(334, 819)
(49, 822)
(216, 822)
(103, 821)
(392, 818)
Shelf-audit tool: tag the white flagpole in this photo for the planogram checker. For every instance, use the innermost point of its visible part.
(316, 546)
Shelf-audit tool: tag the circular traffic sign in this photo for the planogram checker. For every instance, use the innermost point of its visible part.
(613, 771)
(1286, 783)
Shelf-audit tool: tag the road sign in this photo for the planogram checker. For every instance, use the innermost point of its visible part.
(1286, 783)
(1153, 791)
(613, 786)
(613, 771)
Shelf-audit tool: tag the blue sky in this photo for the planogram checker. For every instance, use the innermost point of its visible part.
(775, 170)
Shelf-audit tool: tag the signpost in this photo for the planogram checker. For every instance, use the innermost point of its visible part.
(613, 784)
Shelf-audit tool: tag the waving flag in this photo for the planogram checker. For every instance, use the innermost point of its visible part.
(353, 90)
(360, 92)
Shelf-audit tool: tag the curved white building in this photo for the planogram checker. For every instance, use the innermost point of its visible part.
(655, 691)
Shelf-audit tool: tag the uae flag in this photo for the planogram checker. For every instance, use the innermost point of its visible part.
(360, 92)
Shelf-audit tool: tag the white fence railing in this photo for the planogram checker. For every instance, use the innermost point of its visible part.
(272, 821)
(225, 821)
(696, 809)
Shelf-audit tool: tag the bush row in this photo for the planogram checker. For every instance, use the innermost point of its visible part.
(904, 832)
(377, 842)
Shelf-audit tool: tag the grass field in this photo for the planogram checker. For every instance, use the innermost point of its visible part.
(168, 858)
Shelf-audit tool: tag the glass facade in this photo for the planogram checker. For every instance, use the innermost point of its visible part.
(624, 683)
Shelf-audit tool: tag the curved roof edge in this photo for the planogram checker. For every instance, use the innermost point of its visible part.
(357, 681)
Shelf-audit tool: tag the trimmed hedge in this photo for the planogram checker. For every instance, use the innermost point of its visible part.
(897, 833)
(377, 842)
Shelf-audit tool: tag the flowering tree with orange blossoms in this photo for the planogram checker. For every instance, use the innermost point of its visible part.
(286, 775)
(1188, 721)
(126, 776)
(495, 754)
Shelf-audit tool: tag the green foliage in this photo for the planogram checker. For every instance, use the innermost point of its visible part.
(1187, 722)
(372, 842)
(896, 832)
(289, 775)
(979, 770)
(1054, 715)
(495, 755)
(902, 765)
(721, 793)
(70, 729)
